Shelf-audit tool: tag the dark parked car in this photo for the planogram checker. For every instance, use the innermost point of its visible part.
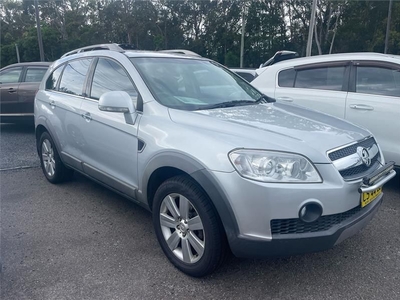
(18, 86)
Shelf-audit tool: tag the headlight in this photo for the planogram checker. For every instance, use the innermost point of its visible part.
(271, 166)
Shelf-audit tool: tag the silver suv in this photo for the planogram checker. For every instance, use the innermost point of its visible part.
(216, 162)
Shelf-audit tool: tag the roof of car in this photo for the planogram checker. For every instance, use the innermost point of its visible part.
(33, 63)
(336, 57)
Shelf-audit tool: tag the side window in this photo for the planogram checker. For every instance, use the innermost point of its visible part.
(73, 77)
(325, 78)
(51, 82)
(378, 81)
(110, 76)
(286, 78)
(34, 74)
(10, 75)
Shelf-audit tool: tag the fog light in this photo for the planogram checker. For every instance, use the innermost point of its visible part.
(310, 212)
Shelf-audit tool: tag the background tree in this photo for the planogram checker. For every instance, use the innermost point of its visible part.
(211, 28)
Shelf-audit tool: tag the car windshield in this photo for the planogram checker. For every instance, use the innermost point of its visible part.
(190, 84)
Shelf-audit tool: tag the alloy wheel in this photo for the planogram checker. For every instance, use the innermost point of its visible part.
(48, 158)
(182, 228)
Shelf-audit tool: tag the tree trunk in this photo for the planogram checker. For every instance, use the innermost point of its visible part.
(316, 39)
(334, 33)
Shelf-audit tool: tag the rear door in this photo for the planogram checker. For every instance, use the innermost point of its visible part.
(65, 92)
(9, 82)
(28, 87)
(321, 87)
(374, 103)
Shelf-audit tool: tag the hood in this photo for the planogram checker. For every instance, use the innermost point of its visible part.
(276, 126)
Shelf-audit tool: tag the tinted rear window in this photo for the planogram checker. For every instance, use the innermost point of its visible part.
(51, 82)
(326, 78)
(34, 74)
(286, 78)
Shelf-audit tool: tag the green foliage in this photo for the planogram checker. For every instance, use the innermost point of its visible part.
(211, 28)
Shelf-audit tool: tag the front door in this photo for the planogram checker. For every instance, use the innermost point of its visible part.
(111, 145)
(9, 83)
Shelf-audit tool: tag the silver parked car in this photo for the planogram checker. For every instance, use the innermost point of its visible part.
(219, 164)
(363, 88)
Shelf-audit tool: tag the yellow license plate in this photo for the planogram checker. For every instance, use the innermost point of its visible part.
(367, 198)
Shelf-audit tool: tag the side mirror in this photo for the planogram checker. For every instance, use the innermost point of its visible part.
(119, 102)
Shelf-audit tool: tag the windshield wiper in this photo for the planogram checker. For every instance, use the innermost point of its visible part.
(227, 104)
(262, 99)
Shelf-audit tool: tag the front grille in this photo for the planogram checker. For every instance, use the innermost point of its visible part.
(351, 149)
(290, 226)
(352, 173)
(361, 170)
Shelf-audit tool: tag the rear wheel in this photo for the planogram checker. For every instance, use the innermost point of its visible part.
(188, 227)
(52, 166)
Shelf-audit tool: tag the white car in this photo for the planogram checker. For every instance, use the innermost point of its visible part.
(363, 88)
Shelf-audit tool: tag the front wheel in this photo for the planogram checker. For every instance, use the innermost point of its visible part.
(188, 227)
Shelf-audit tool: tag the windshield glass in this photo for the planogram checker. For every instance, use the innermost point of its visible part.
(190, 84)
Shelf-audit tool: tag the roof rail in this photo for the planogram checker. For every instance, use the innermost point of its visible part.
(123, 47)
(112, 47)
(181, 51)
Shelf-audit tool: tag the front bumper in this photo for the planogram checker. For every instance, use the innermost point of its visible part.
(290, 244)
(255, 205)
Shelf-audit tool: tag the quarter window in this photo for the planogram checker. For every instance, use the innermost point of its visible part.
(378, 81)
(326, 78)
(73, 77)
(10, 75)
(51, 82)
(286, 78)
(111, 76)
(34, 74)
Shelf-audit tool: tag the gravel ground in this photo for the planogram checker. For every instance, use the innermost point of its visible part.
(79, 240)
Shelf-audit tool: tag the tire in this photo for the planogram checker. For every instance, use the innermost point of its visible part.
(188, 227)
(52, 166)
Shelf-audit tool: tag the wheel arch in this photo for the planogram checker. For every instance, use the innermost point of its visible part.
(38, 133)
(168, 165)
(42, 126)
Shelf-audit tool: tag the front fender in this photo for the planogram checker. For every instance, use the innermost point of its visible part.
(202, 176)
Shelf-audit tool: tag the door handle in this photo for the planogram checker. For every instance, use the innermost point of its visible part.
(53, 104)
(287, 99)
(11, 91)
(87, 117)
(361, 107)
